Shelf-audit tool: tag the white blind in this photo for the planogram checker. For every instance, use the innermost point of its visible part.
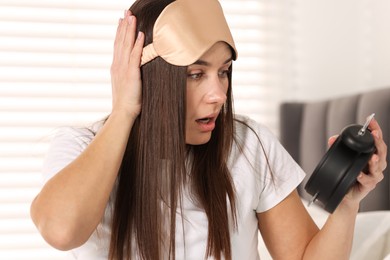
(55, 59)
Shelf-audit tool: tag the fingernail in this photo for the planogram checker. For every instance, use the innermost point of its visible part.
(139, 35)
(130, 19)
(126, 12)
(334, 137)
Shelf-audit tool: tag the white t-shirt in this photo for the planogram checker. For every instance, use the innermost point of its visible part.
(256, 191)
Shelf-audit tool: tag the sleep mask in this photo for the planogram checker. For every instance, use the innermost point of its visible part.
(185, 30)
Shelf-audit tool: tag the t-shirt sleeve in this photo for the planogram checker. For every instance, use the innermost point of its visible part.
(67, 144)
(278, 172)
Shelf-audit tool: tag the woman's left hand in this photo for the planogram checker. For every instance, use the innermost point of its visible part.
(367, 181)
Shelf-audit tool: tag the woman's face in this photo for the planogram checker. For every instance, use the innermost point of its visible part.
(207, 85)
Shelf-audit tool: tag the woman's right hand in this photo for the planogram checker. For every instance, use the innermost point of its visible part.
(125, 68)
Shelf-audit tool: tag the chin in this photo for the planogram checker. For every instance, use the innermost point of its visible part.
(199, 140)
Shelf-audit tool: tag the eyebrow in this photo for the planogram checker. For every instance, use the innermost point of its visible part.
(205, 63)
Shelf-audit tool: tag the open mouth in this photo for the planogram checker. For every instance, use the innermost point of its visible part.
(206, 124)
(205, 120)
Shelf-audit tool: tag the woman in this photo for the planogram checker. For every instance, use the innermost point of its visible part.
(172, 172)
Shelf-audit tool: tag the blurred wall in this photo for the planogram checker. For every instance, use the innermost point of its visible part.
(339, 47)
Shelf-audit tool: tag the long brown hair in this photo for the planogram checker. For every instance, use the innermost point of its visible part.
(154, 169)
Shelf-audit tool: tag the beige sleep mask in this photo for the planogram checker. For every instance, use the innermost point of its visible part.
(185, 30)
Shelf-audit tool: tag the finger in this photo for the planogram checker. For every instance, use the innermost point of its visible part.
(379, 143)
(120, 36)
(374, 126)
(373, 164)
(135, 60)
(369, 181)
(124, 28)
(381, 147)
(332, 139)
(375, 172)
(130, 36)
(381, 152)
(119, 31)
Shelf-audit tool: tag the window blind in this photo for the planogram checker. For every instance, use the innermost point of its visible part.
(55, 59)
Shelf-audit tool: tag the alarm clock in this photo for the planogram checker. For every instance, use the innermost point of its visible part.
(337, 171)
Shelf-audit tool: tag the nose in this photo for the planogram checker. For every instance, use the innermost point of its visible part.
(217, 91)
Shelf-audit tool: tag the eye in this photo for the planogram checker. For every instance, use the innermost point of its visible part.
(224, 73)
(195, 76)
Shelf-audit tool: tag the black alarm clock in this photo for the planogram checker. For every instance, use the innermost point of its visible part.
(337, 171)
